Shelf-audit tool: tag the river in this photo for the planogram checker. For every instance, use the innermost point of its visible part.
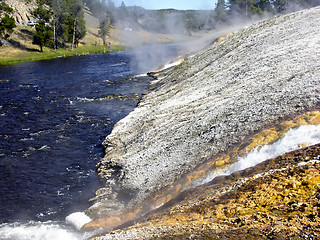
(54, 116)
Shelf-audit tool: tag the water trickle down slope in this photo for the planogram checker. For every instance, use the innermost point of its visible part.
(208, 105)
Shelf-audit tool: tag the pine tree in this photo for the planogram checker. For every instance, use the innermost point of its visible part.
(44, 33)
(190, 22)
(56, 20)
(104, 29)
(123, 11)
(244, 8)
(220, 11)
(265, 6)
(75, 24)
(7, 23)
(43, 36)
(280, 5)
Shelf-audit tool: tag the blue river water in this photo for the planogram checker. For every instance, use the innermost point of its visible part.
(54, 116)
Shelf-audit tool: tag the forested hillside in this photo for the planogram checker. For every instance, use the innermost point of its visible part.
(61, 24)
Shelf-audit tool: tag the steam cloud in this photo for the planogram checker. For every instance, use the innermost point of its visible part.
(159, 37)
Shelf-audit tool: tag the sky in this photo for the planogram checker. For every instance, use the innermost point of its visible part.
(176, 4)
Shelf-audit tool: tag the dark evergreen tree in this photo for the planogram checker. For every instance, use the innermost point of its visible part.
(43, 36)
(280, 5)
(265, 6)
(57, 11)
(44, 32)
(191, 23)
(283, 6)
(42, 12)
(244, 8)
(7, 23)
(123, 11)
(220, 11)
(67, 22)
(104, 29)
(76, 20)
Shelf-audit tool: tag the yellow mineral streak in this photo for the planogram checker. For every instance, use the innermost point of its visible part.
(266, 136)
(222, 38)
(266, 198)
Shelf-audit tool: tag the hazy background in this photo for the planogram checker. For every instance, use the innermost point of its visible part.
(165, 4)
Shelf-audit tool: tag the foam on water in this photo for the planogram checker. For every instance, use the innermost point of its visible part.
(37, 231)
(78, 219)
(294, 139)
(85, 99)
(50, 230)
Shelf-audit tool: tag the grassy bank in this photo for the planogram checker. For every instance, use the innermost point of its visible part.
(14, 55)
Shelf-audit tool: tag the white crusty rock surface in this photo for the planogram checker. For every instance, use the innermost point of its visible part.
(257, 76)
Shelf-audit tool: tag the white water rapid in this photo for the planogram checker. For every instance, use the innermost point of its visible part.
(294, 139)
(50, 230)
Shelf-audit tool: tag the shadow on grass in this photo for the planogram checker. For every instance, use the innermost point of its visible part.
(94, 34)
(32, 50)
(27, 32)
(26, 35)
(17, 44)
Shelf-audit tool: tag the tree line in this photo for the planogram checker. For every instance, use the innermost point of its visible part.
(224, 12)
(60, 23)
(235, 10)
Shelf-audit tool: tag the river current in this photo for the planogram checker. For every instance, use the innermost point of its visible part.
(54, 116)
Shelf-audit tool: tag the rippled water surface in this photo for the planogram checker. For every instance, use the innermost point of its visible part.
(54, 116)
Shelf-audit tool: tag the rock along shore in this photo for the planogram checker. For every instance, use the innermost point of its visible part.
(213, 101)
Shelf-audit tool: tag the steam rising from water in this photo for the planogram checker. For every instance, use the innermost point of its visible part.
(154, 28)
(295, 139)
(149, 58)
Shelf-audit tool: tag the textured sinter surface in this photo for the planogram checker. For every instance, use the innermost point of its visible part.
(211, 102)
(278, 199)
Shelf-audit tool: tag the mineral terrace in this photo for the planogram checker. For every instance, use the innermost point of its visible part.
(208, 105)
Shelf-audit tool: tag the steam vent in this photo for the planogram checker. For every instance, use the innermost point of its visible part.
(200, 116)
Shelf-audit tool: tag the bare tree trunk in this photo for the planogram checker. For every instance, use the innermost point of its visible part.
(74, 32)
(54, 35)
(246, 8)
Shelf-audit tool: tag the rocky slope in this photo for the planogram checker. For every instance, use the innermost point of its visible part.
(22, 10)
(278, 199)
(205, 107)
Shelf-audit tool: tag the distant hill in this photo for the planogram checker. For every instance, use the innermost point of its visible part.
(167, 21)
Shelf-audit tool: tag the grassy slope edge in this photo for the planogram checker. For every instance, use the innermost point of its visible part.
(22, 49)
